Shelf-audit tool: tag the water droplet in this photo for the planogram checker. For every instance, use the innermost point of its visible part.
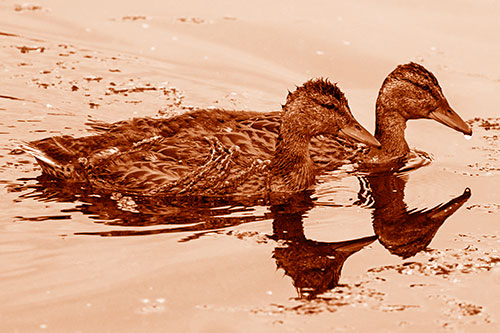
(467, 137)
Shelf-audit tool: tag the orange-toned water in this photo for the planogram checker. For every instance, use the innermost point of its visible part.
(79, 262)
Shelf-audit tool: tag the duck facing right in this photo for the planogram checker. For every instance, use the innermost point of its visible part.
(410, 91)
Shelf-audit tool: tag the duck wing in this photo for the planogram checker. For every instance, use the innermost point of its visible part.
(171, 167)
(201, 151)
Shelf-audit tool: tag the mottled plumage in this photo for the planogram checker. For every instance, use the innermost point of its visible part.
(206, 152)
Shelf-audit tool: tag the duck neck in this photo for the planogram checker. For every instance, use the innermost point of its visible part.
(388, 193)
(390, 128)
(292, 168)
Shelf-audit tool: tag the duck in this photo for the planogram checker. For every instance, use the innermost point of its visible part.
(205, 151)
(409, 92)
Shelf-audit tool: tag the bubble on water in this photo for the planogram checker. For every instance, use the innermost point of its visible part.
(467, 137)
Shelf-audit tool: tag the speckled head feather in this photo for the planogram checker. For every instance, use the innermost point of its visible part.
(321, 90)
(413, 67)
(418, 76)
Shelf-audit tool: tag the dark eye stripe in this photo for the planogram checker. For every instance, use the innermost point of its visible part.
(422, 86)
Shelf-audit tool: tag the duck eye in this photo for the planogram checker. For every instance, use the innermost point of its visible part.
(330, 106)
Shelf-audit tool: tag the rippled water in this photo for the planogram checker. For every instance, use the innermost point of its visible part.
(390, 248)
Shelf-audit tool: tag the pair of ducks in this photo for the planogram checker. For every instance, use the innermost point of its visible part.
(218, 152)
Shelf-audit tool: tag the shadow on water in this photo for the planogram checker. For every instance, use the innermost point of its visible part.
(314, 266)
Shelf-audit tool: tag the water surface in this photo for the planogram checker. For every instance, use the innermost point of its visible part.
(413, 251)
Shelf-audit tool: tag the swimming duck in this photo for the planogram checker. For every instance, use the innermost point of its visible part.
(409, 92)
(206, 151)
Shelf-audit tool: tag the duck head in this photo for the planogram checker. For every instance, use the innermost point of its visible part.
(414, 93)
(319, 107)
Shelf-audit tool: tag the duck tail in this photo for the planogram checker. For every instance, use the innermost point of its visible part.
(98, 126)
(49, 166)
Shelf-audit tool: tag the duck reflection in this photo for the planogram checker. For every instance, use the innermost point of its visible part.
(405, 232)
(175, 214)
(314, 266)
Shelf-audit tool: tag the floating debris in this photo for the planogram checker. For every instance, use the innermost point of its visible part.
(26, 49)
(27, 7)
(134, 18)
(90, 78)
(195, 20)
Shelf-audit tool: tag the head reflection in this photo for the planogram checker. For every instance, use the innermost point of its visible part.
(405, 232)
(315, 267)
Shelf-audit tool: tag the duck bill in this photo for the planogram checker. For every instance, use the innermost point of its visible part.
(358, 133)
(444, 211)
(446, 116)
(355, 245)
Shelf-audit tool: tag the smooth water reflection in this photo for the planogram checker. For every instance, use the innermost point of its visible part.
(403, 231)
(315, 267)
